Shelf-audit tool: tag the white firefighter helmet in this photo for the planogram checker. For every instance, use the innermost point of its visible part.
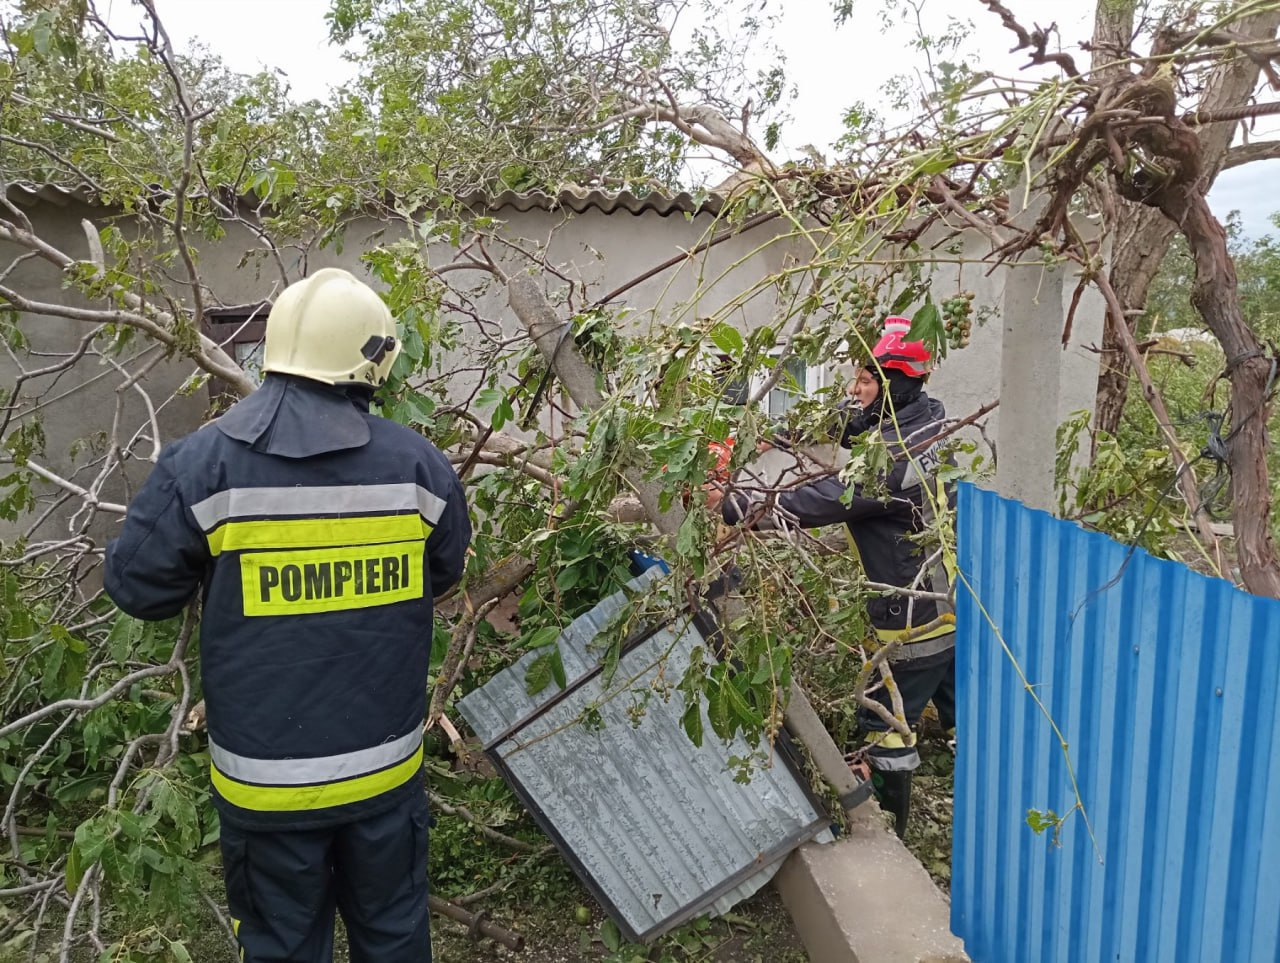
(331, 327)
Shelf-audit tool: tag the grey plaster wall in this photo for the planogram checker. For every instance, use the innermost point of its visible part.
(597, 252)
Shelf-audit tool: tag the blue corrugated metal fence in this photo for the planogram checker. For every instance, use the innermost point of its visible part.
(1163, 684)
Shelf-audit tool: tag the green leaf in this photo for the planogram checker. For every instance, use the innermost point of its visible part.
(747, 716)
(60, 634)
(610, 664)
(75, 868)
(121, 638)
(503, 413)
(904, 298)
(557, 667)
(543, 636)
(422, 406)
(728, 339)
(489, 397)
(692, 722)
(926, 325)
(689, 542)
(718, 712)
(568, 577)
(538, 675)
(938, 164)
(610, 936)
(41, 37)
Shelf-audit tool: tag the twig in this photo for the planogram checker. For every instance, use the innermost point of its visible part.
(1186, 478)
(463, 813)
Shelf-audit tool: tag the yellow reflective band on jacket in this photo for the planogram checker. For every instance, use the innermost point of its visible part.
(895, 740)
(944, 624)
(300, 798)
(316, 532)
(301, 582)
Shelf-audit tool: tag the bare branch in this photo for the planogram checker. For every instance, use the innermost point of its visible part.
(705, 125)
(89, 498)
(1036, 40)
(1186, 478)
(1248, 153)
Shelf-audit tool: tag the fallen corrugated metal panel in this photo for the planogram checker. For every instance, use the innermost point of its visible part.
(658, 829)
(1164, 685)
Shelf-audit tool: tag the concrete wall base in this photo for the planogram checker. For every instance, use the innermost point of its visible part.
(866, 899)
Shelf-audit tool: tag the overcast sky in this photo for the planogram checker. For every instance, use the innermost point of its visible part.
(831, 68)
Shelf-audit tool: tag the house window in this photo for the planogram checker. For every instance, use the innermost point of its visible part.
(735, 389)
(798, 380)
(239, 331)
(249, 355)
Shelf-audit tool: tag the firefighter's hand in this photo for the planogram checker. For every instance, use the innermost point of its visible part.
(762, 446)
(715, 495)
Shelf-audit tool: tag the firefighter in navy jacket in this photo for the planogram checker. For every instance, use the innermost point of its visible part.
(318, 535)
(892, 402)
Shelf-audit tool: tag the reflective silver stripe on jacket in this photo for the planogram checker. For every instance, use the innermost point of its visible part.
(316, 500)
(321, 769)
(909, 651)
(903, 762)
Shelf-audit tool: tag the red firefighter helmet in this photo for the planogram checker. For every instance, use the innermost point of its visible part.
(722, 451)
(894, 351)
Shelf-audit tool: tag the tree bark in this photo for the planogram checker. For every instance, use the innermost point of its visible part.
(1217, 298)
(551, 336)
(1143, 234)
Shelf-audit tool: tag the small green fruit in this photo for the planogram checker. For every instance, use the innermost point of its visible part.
(581, 915)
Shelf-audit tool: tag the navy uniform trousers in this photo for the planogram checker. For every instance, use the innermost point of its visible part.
(283, 888)
(920, 681)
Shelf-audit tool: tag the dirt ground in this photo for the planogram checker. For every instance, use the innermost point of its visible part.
(757, 931)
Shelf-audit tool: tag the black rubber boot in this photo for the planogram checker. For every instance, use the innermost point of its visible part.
(893, 792)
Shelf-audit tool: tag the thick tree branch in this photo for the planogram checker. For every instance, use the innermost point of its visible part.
(1248, 153)
(707, 126)
(550, 334)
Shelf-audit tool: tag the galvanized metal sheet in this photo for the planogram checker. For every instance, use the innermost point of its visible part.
(657, 828)
(1164, 685)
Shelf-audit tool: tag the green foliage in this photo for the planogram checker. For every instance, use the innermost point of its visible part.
(151, 843)
(460, 90)
(455, 98)
(1187, 366)
(1125, 493)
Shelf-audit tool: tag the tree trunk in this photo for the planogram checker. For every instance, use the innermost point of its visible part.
(1142, 239)
(1217, 298)
(1143, 235)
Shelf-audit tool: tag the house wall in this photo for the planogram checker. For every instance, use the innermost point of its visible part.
(597, 251)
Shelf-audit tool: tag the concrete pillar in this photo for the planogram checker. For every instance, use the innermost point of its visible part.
(1030, 379)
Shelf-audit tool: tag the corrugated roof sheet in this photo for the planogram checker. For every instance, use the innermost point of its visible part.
(1166, 687)
(580, 200)
(575, 199)
(52, 193)
(658, 829)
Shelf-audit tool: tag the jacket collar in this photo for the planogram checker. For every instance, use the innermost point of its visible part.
(294, 417)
